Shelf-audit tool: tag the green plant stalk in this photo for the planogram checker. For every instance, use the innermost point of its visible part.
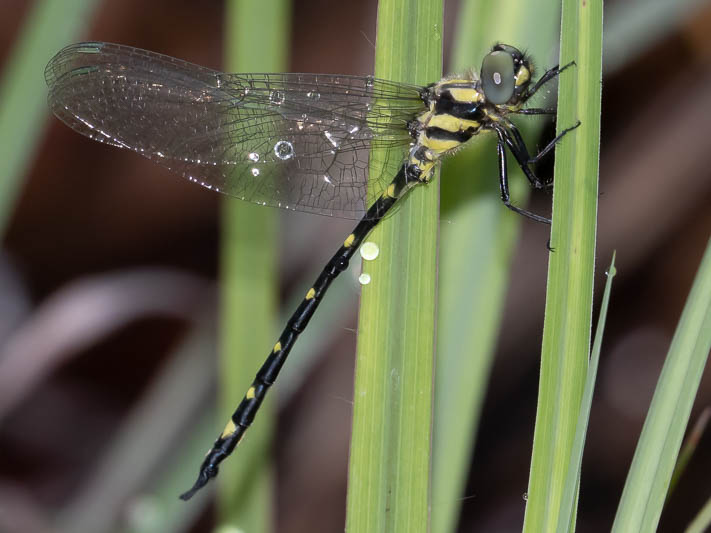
(50, 25)
(689, 448)
(701, 521)
(656, 454)
(572, 482)
(476, 246)
(568, 316)
(388, 483)
(248, 266)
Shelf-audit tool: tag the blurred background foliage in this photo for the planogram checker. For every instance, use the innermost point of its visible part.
(108, 296)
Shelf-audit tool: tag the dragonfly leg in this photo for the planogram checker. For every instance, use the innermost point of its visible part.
(536, 111)
(551, 145)
(548, 75)
(504, 181)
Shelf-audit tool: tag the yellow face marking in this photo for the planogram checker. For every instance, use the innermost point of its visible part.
(229, 430)
(465, 95)
(250, 393)
(311, 294)
(349, 241)
(277, 347)
(522, 76)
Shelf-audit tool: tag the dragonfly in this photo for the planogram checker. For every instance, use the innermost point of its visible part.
(318, 143)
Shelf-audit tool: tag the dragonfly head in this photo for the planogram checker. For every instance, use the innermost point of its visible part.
(506, 73)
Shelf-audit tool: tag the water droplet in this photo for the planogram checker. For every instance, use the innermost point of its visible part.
(284, 150)
(276, 97)
(364, 279)
(253, 156)
(255, 171)
(525, 496)
(229, 529)
(313, 95)
(369, 251)
(369, 81)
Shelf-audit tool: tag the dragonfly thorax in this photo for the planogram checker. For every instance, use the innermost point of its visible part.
(459, 108)
(455, 113)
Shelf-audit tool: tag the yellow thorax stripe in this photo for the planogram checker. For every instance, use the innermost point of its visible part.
(451, 123)
(468, 95)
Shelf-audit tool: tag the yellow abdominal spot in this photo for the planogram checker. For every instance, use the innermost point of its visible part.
(310, 294)
(349, 241)
(390, 191)
(229, 429)
(277, 347)
(250, 393)
(425, 168)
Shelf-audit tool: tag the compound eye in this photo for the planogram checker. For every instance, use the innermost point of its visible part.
(497, 77)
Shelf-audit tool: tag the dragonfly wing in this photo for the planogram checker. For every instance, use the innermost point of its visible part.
(296, 141)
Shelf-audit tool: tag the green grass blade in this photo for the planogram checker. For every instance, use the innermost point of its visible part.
(50, 25)
(567, 325)
(572, 481)
(476, 246)
(388, 484)
(689, 448)
(249, 289)
(649, 476)
(702, 521)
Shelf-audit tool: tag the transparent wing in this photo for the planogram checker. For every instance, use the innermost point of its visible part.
(296, 141)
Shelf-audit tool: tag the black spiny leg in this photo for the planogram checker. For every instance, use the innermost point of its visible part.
(547, 76)
(504, 180)
(518, 148)
(512, 138)
(551, 145)
(536, 111)
(245, 412)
